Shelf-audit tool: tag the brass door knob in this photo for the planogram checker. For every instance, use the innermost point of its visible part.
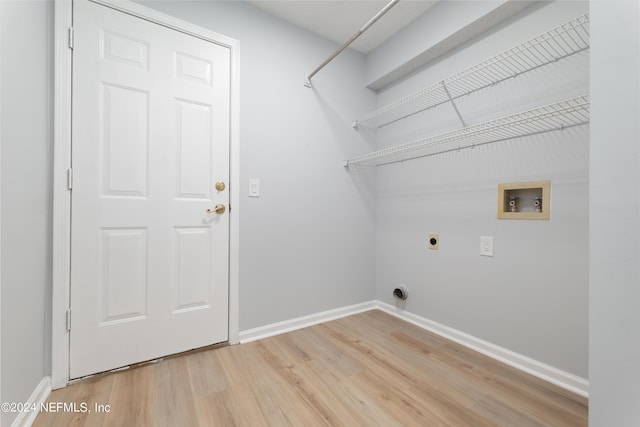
(220, 186)
(219, 209)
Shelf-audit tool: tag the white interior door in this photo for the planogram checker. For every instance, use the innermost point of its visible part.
(150, 139)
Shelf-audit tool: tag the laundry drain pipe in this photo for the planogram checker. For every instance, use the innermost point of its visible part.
(400, 292)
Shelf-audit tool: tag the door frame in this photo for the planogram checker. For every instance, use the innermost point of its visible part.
(60, 355)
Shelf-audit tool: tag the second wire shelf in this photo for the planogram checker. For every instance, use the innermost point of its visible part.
(558, 116)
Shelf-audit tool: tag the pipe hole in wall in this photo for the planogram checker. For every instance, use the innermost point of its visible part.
(400, 293)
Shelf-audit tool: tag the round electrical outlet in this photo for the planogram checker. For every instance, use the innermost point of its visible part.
(433, 241)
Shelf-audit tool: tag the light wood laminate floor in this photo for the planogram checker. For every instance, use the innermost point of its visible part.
(370, 369)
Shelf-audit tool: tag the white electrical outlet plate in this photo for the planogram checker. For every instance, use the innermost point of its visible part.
(486, 245)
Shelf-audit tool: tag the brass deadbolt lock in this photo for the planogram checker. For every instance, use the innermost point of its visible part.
(220, 186)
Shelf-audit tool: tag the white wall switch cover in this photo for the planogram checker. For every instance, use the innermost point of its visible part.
(254, 187)
(486, 245)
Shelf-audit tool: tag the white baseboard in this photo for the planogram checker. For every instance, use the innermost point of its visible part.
(303, 322)
(531, 366)
(38, 397)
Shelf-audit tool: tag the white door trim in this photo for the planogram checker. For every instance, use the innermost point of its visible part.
(62, 162)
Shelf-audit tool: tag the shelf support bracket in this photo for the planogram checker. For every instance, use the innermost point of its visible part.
(455, 107)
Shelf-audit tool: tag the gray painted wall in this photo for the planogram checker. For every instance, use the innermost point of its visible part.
(614, 350)
(27, 110)
(307, 244)
(532, 296)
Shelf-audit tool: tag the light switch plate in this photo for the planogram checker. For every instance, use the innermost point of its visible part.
(254, 187)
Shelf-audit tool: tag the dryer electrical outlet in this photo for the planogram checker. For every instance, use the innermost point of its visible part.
(434, 241)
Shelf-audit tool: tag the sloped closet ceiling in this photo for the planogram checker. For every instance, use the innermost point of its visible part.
(320, 17)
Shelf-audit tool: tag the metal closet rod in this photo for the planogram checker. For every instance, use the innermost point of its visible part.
(364, 28)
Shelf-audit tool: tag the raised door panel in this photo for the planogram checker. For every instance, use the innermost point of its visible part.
(125, 141)
(193, 268)
(194, 149)
(123, 275)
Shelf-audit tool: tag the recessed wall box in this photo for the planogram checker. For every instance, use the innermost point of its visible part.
(524, 200)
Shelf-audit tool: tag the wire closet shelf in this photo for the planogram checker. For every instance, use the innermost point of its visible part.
(558, 116)
(561, 42)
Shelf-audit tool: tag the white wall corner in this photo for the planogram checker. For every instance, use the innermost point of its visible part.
(526, 364)
(36, 400)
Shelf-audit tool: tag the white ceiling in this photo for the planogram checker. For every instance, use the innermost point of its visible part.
(338, 20)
